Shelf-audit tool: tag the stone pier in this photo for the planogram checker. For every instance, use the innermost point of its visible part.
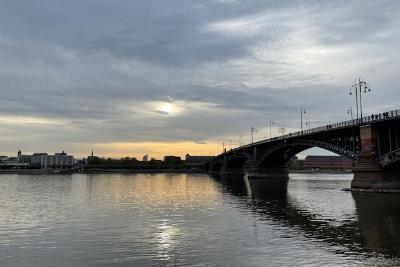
(368, 175)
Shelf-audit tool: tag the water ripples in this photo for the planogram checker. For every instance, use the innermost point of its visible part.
(194, 220)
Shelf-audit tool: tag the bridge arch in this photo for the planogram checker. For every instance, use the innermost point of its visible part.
(279, 154)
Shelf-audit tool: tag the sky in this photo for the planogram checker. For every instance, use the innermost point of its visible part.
(127, 78)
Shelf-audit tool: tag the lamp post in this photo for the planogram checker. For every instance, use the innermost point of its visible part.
(302, 111)
(253, 130)
(359, 87)
(350, 112)
(356, 91)
(270, 128)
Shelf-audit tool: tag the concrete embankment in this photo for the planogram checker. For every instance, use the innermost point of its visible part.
(92, 171)
(36, 171)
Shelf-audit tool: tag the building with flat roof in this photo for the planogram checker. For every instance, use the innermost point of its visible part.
(172, 159)
(327, 162)
(57, 161)
(197, 161)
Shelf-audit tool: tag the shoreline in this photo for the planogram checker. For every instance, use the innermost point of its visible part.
(46, 172)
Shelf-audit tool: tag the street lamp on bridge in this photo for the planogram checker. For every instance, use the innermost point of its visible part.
(302, 111)
(253, 130)
(350, 112)
(359, 86)
(270, 128)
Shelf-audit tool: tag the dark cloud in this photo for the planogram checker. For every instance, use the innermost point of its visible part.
(97, 69)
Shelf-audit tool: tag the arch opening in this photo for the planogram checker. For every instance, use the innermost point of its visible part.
(281, 154)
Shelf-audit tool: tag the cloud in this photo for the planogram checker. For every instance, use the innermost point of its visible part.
(95, 68)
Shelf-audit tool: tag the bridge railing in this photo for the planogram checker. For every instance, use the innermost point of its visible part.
(344, 124)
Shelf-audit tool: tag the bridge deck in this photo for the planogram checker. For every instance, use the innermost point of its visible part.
(335, 126)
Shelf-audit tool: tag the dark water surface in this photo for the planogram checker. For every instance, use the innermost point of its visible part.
(194, 220)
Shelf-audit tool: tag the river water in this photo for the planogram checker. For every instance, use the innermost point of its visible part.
(194, 220)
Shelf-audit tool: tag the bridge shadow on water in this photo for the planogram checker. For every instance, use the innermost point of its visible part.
(374, 230)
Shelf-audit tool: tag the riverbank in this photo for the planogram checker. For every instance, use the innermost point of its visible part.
(93, 171)
(36, 171)
(99, 171)
(142, 171)
(320, 171)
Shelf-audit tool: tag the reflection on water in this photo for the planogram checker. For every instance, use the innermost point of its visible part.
(379, 220)
(193, 219)
(376, 229)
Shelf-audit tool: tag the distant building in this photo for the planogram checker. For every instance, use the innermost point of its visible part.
(92, 157)
(58, 160)
(146, 158)
(155, 161)
(23, 158)
(12, 162)
(172, 159)
(197, 160)
(327, 162)
(38, 158)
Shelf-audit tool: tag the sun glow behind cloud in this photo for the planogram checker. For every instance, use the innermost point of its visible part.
(166, 108)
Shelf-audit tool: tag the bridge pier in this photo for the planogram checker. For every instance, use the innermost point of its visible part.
(232, 171)
(215, 167)
(233, 164)
(368, 175)
(277, 173)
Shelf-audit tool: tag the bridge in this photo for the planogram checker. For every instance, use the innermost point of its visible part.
(373, 143)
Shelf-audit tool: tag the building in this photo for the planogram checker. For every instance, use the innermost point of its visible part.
(92, 157)
(172, 160)
(3, 159)
(23, 158)
(57, 161)
(11, 162)
(327, 162)
(146, 158)
(197, 161)
(38, 160)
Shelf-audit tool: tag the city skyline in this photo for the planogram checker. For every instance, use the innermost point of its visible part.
(170, 78)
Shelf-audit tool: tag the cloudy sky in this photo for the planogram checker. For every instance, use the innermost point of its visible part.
(126, 78)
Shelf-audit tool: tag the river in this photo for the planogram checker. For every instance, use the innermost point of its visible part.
(194, 220)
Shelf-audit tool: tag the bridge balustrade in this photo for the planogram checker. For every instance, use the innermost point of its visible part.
(372, 118)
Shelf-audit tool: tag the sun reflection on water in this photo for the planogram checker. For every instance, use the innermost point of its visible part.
(166, 240)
